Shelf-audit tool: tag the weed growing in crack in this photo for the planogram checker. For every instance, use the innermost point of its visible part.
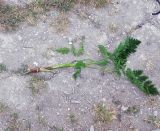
(36, 84)
(75, 51)
(73, 118)
(61, 23)
(154, 120)
(104, 115)
(118, 58)
(14, 123)
(2, 68)
(133, 109)
(78, 52)
(3, 107)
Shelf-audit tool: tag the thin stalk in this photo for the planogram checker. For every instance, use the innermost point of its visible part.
(88, 62)
(65, 65)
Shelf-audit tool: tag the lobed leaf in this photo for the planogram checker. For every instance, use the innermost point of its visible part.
(122, 52)
(141, 81)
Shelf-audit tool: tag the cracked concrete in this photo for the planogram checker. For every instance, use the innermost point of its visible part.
(51, 106)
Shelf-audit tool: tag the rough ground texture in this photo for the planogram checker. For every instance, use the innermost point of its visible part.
(23, 108)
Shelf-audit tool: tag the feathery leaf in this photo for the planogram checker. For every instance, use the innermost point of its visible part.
(141, 81)
(123, 51)
(105, 53)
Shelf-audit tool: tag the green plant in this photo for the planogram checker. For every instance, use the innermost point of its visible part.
(75, 51)
(119, 58)
(78, 52)
(122, 52)
(63, 50)
(141, 81)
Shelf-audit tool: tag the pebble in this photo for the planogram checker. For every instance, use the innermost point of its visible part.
(20, 38)
(159, 17)
(70, 41)
(58, 113)
(104, 99)
(155, 113)
(69, 109)
(75, 102)
(91, 128)
(123, 108)
(35, 63)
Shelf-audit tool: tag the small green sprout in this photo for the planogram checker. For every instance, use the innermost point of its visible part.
(78, 52)
(2, 68)
(75, 51)
(73, 118)
(63, 50)
(133, 109)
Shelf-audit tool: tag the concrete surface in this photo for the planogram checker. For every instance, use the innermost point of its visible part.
(51, 106)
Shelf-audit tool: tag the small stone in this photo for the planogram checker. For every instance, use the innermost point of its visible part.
(103, 99)
(123, 108)
(159, 17)
(35, 63)
(75, 102)
(70, 39)
(91, 128)
(155, 113)
(19, 38)
(70, 43)
(69, 109)
(58, 113)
